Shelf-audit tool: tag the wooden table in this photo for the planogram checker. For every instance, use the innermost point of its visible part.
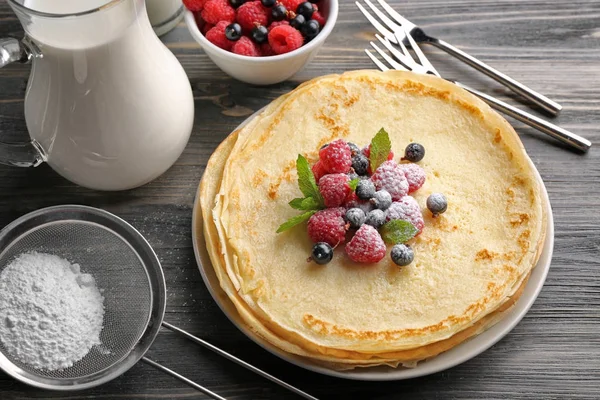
(552, 46)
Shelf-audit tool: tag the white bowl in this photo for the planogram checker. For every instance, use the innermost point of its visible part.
(265, 70)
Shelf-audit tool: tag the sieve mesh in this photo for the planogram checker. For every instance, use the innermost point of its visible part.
(119, 273)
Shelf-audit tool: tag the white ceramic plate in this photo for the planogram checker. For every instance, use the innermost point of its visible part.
(457, 355)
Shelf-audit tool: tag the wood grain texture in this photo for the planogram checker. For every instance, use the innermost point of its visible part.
(554, 353)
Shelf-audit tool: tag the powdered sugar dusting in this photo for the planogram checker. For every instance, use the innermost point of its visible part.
(390, 176)
(51, 314)
(366, 246)
(415, 176)
(407, 209)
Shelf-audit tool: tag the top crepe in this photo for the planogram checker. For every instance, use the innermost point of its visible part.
(469, 263)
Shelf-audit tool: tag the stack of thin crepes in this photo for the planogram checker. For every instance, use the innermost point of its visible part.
(471, 263)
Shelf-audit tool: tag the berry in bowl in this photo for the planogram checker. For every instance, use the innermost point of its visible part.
(261, 42)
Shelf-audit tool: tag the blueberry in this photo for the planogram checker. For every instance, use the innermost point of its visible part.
(365, 189)
(437, 203)
(360, 163)
(352, 175)
(375, 218)
(268, 3)
(278, 12)
(356, 217)
(402, 255)
(353, 148)
(260, 34)
(236, 3)
(298, 21)
(305, 9)
(233, 31)
(322, 253)
(311, 29)
(382, 200)
(414, 152)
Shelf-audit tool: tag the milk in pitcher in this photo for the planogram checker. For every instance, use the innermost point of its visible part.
(108, 102)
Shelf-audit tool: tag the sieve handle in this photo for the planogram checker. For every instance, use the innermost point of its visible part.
(182, 378)
(238, 361)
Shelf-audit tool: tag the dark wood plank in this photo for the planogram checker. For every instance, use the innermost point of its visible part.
(550, 45)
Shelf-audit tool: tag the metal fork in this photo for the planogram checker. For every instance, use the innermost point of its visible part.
(400, 28)
(405, 61)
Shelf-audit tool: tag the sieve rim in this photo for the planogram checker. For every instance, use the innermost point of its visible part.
(148, 258)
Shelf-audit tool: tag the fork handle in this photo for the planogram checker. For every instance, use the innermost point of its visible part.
(541, 125)
(547, 104)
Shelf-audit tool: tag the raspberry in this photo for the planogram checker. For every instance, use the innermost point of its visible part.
(337, 157)
(216, 36)
(284, 38)
(246, 47)
(291, 5)
(206, 27)
(277, 23)
(415, 175)
(194, 5)
(366, 246)
(216, 11)
(407, 209)
(334, 189)
(266, 50)
(328, 226)
(317, 16)
(250, 14)
(318, 170)
(390, 177)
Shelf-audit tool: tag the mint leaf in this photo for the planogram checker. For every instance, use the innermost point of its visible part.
(296, 204)
(305, 204)
(353, 184)
(298, 219)
(306, 180)
(380, 149)
(398, 231)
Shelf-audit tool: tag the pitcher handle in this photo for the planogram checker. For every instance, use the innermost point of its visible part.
(28, 154)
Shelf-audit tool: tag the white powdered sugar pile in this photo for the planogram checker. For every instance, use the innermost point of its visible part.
(51, 314)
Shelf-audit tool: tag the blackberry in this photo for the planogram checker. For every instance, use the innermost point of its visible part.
(360, 163)
(414, 152)
(382, 200)
(322, 253)
(365, 190)
(375, 218)
(268, 3)
(437, 203)
(356, 217)
(402, 255)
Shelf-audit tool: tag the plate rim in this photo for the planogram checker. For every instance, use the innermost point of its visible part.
(471, 348)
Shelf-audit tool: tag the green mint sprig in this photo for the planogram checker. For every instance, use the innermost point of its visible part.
(398, 231)
(298, 219)
(311, 203)
(380, 148)
(353, 184)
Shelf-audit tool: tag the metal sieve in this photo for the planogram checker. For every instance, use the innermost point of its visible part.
(130, 275)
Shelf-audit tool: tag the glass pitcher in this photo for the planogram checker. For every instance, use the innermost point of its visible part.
(108, 106)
